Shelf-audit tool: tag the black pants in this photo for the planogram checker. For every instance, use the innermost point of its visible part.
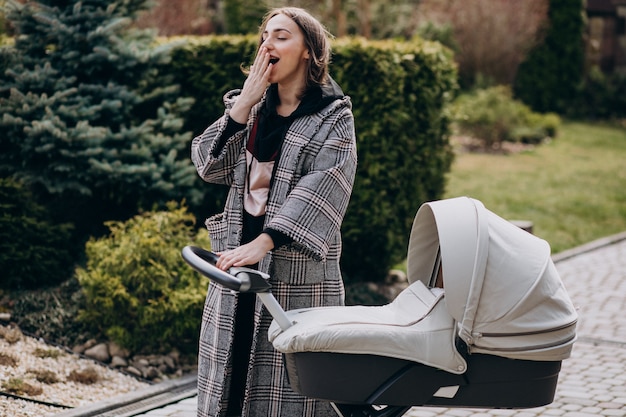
(244, 328)
(242, 342)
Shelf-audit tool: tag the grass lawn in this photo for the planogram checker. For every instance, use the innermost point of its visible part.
(573, 189)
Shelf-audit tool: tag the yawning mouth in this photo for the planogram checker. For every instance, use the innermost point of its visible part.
(273, 60)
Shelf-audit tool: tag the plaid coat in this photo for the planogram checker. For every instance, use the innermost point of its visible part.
(307, 201)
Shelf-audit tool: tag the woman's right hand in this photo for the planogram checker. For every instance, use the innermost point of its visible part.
(253, 88)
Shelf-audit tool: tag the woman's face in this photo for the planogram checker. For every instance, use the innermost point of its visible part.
(285, 43)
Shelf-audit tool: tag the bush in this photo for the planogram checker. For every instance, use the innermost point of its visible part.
(399, 92)
(600, 96)
(139, 291)
(33, 252)
(494, 116)
(548, 78)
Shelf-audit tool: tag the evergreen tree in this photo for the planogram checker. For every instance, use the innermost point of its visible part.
(87, 120)
(549, 78)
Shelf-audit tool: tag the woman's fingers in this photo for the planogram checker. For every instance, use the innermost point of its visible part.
(258, 78)
(253, 87)
(262, 59)
(261, 68)
(235, 257)
(261, 62)
(245, 255)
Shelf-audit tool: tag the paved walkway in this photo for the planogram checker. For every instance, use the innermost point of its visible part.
(592, 382)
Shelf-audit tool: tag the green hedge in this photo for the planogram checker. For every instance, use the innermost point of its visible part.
(399, 92)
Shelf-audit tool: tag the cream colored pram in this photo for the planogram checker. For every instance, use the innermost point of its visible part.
(493, 337)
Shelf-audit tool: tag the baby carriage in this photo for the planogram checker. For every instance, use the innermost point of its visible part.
(485, 322)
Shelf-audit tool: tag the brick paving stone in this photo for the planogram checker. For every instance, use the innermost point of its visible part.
(430, 411)
(553, 412)
(613, 413)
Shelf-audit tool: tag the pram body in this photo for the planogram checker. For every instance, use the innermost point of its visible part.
(493, 337)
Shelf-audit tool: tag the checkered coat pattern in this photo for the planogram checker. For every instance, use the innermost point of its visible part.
(307, 201)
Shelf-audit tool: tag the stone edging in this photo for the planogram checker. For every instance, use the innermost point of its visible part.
(184, 383)
(588, 247)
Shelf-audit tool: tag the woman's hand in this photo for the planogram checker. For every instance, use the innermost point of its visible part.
(246, 255)
(254, 87)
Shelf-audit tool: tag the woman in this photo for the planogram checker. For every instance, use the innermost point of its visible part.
(286, 146)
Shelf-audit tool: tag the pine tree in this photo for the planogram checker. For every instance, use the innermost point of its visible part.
(87, 120)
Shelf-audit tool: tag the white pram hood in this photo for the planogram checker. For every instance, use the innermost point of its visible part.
(501, 284)
(503, 297)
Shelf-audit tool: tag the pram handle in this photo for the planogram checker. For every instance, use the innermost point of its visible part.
(237, 278)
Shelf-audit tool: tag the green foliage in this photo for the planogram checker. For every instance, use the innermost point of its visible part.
(600, 96)
(87, 119)
(441, 33)
(33, 251)
(548, 79)
(494, 116)
(139, 291)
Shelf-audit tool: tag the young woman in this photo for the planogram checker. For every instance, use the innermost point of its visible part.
(286, 146)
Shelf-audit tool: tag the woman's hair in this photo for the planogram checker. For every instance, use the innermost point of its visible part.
(316, 40)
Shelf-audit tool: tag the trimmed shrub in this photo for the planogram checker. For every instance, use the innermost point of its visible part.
(494, 116)
(33, 252)
(399, 92)
(139, 291)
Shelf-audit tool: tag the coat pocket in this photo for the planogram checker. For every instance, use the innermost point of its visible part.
(291, 266)
(217, 227)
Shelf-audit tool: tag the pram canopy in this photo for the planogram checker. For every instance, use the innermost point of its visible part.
(503, 297)
(500, 282)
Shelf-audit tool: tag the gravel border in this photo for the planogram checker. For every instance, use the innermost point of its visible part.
(33, 355)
